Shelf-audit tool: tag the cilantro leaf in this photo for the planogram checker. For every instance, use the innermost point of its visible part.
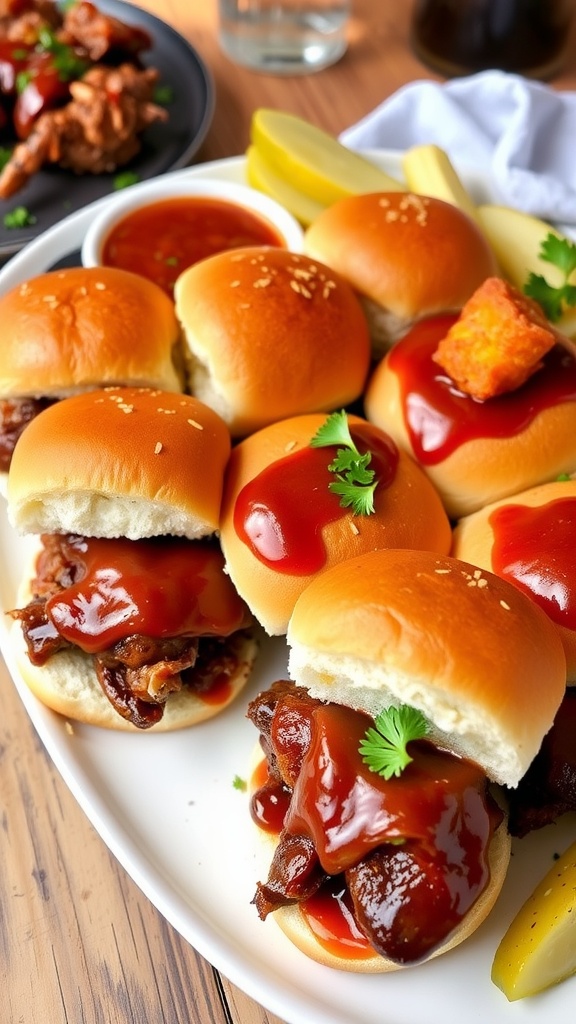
(384, 748)
(355, 483)
(124, 179)
(19, 217)
(560, 253)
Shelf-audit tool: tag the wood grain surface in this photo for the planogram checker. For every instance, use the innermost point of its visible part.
(79, 943)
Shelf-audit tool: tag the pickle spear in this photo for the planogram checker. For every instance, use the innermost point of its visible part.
(262, 176)
(313, 161)
(539, 948)
(429, 172)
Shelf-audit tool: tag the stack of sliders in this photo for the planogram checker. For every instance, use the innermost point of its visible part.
(76, 329)
(309, 491)
(377, 787)
(126, 618)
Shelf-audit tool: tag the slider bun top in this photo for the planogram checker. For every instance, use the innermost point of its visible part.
(408, 256)
(482, 469)
(270, 334)
(408, 513)
(482, 662)
(120, 462)
(80, 328)
(474, 537)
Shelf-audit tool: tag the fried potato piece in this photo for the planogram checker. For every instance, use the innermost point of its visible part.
(497, 343)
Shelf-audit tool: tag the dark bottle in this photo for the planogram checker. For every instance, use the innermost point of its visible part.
(459, 37)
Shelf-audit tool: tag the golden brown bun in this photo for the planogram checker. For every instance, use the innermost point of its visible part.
(408, 513)
(473, 540)
(295, 926)
(408, 256)
(482, 662)
(485, 469)
(80, 328)
(271, 334)
(120, 462)
(68, 684)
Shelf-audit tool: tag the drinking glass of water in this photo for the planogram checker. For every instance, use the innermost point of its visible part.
(286, 37)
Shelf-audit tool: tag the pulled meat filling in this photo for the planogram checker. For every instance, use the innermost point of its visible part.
(137, 673)
(548, 789)
(15, 414)
(411, 852)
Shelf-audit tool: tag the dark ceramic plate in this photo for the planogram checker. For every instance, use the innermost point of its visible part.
(54, 193)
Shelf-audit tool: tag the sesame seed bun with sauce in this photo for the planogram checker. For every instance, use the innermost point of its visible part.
(393, 628)
(270, 334)
(475, 452)
(126, 617)
(76, 329)
(406, 256)
(280, 525)
(528, 539)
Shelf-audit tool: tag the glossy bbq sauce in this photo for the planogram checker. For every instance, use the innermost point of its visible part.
(161, 240)
(535, 549)
(162, 587)
(438, 802)
(440, 418)
(281, 513)
(330, 916)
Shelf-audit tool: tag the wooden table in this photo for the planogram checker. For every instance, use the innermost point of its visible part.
(79, 943)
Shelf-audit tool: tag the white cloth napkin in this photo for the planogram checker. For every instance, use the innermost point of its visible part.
(522, 133)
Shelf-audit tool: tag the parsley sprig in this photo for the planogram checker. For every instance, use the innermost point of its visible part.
(561, 253)
(384, 748)
(355, 482)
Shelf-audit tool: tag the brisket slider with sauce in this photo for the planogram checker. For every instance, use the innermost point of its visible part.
(406, 256)
(483, 401)
(76, 329)
(127, 618)
(269, 334)
(371, 872)
(282, 522)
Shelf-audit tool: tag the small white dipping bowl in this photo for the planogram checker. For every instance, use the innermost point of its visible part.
(177, 186)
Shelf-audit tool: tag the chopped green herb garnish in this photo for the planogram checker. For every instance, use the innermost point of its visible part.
(171, 261)
(163, 95)
(23, 78)
(563, 477)
(239, 783)
(384, 748)
(561, 253)
(125, 179)
(64, 58)
(20, 54)
(5, 154)
(354, 482)
(19, 217)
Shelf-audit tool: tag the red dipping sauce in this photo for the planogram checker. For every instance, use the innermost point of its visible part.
(160, 240)
(534, 549)
(440, 418)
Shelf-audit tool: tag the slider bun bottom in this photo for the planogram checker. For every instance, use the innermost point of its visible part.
(293, 923)
(68, 684)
